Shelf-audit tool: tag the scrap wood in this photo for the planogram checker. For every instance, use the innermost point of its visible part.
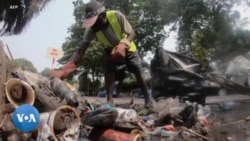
(247, 119)
(12, 59)
(194, 133)
(2, 122)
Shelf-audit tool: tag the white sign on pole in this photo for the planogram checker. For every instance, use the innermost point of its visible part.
(54, 53)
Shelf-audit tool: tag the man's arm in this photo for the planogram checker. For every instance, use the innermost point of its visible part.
(77, 56)
(87, 38)
(126, 28)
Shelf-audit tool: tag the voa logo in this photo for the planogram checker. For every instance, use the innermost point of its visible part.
(26, 118)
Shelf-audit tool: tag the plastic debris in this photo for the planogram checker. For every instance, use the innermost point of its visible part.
(126, 115)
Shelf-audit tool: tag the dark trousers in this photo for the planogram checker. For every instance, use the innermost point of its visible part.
(133, 64)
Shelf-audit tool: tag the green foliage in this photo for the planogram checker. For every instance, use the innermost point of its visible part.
(93, 59)
(206, 28)
(76, 32)
(129, 83)
(199, 52)
(46, 72)
(25, 64)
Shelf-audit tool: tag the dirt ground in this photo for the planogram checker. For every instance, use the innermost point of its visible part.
(224, 125)
(232, 124)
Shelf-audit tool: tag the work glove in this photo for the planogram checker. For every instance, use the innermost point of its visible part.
(65, 71)
(118, 53)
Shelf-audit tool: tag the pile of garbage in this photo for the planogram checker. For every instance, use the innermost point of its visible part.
(66, 116)
(168, 119)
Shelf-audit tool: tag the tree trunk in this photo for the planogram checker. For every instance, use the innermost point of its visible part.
(93, 74)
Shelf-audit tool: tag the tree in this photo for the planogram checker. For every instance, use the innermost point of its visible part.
(25, 64)
(76, 32)
(83, 83)
(46, 72)
(93, 61)
(16, 14)
(205, 28)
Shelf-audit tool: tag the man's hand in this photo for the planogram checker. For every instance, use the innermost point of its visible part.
(118, 53)
(65, 71)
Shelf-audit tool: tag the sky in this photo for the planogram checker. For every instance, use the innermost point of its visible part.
(49, 30)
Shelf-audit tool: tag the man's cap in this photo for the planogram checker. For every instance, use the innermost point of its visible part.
(93, 9)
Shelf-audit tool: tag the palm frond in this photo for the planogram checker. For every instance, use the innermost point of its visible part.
(16, 14)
